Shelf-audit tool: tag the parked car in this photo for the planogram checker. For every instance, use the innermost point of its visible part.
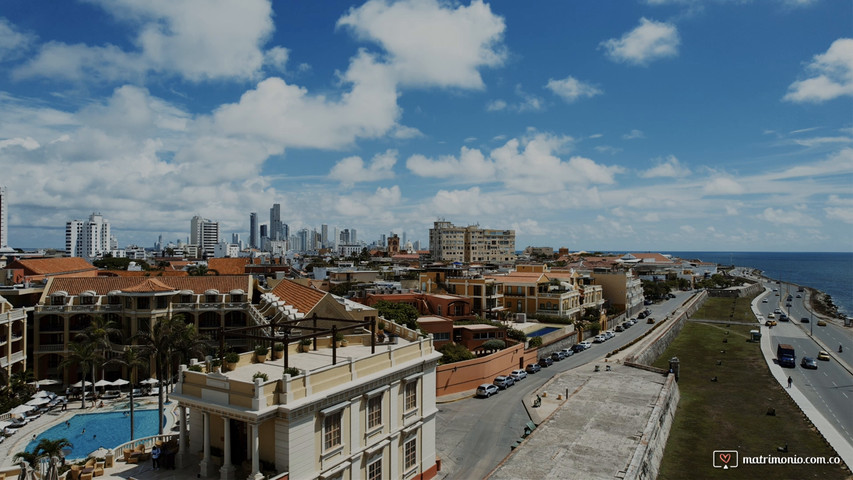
(518, 375)
(503, 381)
(557, 356)
(586, 344)
(822, 355)
(619, 328)
(487, 390)
(609, 334)
(567, 352)
(578, 348)
(533, 368)
(545, 362)
(809, 362)
(600, 338)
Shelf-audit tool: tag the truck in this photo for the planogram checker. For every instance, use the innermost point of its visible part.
(786, 356)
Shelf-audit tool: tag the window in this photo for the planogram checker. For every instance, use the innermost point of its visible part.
(410, 453)
(411, 395)
(374, 470)
(441, 336)
(162, 302)
(142, 303)
(332, 431)
(374, 411)
(187, 298)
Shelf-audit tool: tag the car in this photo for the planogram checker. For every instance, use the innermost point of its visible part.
(770, 315)
(503, 381)
(609, 334)
(808, 362)
(533, 368)
(788, 305)
(821, 323)
(783, 317)
(777, 311)
(578, 348)
(770, 323)
(487, 390)
(789, 298)
(804, 320)
(600, 338)
(642, 315)
(671, 295)
(823, 356)
(650, 320)
(799, 296)
(557, 356)
(545, 362)
(619, 328)
(586, 344)
(764, 301)
(567, 352)
(518, 375)
(633, 321)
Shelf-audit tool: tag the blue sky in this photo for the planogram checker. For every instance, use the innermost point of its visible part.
(598, 125)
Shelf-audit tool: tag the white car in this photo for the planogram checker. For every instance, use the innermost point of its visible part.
(609, 334)
(770, 315)
(518, 375)
(586, 344)
(600, 338)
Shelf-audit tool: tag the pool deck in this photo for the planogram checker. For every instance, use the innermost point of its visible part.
(18, 442)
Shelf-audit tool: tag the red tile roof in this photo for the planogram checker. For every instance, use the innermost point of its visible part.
(104, 285)
(149, 285)
(302, 297)
(52, 266)
(228, 266)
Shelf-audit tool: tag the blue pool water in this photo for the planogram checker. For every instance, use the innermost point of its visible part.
(107, 430)
(542, 331)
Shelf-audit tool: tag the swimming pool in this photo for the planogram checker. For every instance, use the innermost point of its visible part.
(542, 331)
(89, 431)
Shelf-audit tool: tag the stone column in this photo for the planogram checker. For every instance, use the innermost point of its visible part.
(206, 465)
(182, 438)
(227, 470)
(256, 454)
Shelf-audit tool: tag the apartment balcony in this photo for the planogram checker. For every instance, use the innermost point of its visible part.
(14, 358)
(209, 307)
(51, 348)
(78, 308)
(51, 328)
(12, 316)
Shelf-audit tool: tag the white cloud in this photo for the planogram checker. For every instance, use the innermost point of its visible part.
(607, 149)
(27, 143)
(788, 217)
(195, 39)
(351, 170)
(666, 167)
(633, 134)
(276, 58)
(723, 185)
(403, 132)
(429, 43)
(840, 209)
(13, 42)
(370, 205)
(571, 89)
(838, 163)
(288, 116)
(649, 41)
(687, 229)
(832, 75)
(471, 166)
(496, 105)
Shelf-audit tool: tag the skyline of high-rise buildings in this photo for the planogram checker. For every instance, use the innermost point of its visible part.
(204, 234)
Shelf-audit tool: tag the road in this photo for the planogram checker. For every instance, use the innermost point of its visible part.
(830, 387)
(474, 434)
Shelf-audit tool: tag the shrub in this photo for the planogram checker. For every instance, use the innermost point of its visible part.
(305, 342)
(216, 362)
(535, 342)
(339, 336)
(194, 368)
(493, 344)
(516, 334)
(293, 372)
(232, 357)
(279, 347)
(454, 352)
(261, 350)
(263, 376)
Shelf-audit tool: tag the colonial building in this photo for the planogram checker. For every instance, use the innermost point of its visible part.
(13, 340)
(449, 243)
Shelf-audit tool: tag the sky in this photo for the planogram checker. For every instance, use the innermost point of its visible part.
(644, 125)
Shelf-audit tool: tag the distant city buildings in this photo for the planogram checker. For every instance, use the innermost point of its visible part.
(88, 239)
(471, 244)
(204, 234)
(253, 230)
(4, 216)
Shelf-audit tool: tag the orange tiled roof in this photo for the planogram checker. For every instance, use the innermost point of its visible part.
(228, 266)
(302, 297)
(656, 257)
(149, 285)
(518, 277)
(52, 266)
(104, 285)
(149, 273)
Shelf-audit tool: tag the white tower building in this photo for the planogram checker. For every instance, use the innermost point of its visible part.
(88, 239)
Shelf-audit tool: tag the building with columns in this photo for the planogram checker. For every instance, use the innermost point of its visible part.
(360, 411)
(13, 340)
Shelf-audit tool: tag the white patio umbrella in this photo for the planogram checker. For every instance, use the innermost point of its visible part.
(22, 409)
(103, 383)
(80, 384)
(120, 382)
(150, 381)
(44, 381)
(41, 394)
(37, 402)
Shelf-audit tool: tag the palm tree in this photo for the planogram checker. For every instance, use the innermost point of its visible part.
(99, 333)
(85, 355)
(46, 448)
(187, 342)
(131, 358)
(159, 343)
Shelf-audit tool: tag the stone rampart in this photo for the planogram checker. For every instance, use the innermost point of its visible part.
(645, 464)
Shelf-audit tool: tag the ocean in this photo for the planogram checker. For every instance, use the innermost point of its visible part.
(830, 273)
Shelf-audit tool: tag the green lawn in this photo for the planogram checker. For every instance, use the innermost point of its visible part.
(731, 413)
(730, 309)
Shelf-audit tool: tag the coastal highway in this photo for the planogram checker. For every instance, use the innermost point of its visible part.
(475, 434)
(830, 387)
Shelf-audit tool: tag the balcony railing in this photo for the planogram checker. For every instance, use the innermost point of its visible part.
(51, 348)
(209, 306)
(15, 357)
(78, 308)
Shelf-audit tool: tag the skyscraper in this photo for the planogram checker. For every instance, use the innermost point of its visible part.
(324, 235)
(253, 230)
(4, 215)
(204, 234)
(275, 222)
(89, 239)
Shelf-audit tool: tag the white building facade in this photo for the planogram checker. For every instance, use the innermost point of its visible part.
(88, 239)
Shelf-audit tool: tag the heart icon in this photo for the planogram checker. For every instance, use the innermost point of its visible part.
(725, 457)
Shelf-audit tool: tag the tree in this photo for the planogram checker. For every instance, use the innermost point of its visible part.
(99, 333)
(46, 448)
(493, 344)
(535, 342)
(197, 271)
(454, 352)
(131, 358)
(85, 355)
(400, 313)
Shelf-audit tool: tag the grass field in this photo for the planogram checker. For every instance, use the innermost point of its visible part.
(730, 309)
(731, 413)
